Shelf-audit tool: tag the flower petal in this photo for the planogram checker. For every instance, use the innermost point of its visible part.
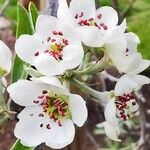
(91, 36)
(116, 34)
(72, 56)
(87, 7)
(78, 109)
(111, 132)
(48, 65)
(53, 83)
(109, 16)
(139, 79)
(64, 13)
(110, 113)
(26, 46)
(5, 57)
(117, 49)
(29, 128)
(61, 136)
(126, 84)
(25, 92)
(133, 41)
(132, 64)
(45, 25)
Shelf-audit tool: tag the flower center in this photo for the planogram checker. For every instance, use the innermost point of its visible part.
(90, 21)
(124, 105)
(2, 71)
(56, 106)
(56, 45)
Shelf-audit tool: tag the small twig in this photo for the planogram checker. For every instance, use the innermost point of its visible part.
(142, 139)
(4, 6)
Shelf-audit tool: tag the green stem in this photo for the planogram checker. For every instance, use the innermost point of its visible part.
(95, 68)
(100, 96)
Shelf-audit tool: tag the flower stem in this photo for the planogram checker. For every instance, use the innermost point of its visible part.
(101, 97)
(94, 68)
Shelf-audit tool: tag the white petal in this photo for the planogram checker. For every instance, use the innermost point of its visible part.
(64, 13)
(72, 56)
(87, 7)
(132, 63)
(91, 36)
(133, 41)
(24, 92)
(139, 79)
(109, 16)
(61, 136)
(5, 57)
(53, 84)
(26, 46)
(141, 67)
(116, 34)
(111, 132)
(117, 49)
(45, 25)
(28, 128)
(78, 109)
(48, 65)
(69, 33)
(110, 113)
(125, 85)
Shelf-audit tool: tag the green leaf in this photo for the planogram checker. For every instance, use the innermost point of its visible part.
(33, 13)
(24, 26)
(19, 146)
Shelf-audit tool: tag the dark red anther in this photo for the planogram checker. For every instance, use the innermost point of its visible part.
(36, 101)
(41, 97)
(105, 27)
(60, 33)
(59, 123)
(48, 39)
(76, 16)
(48, 126)
(41, 115)
(53, 40)
(36, 54)
(81, 15)
(99, 16)
(44, 92)
(102, 24)
(55, 33)
(47, 97)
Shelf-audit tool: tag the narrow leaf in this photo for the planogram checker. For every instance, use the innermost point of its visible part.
(24, 26)
(33, 13)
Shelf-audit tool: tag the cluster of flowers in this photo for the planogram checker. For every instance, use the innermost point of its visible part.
(56, 47)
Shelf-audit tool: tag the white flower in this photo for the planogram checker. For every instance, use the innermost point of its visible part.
(54, 48)
(122, 103)
(49, 113)
(124, 55)
(5, 59)
(96, 27)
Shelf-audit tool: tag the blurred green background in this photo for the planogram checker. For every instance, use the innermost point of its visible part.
(137, 17)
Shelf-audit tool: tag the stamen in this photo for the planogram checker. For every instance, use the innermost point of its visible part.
(99, 16)
(44, 92)
(48, 39)
(48, 126)
(81, 15)
(36, 54)
(41, 125)
(59, 123)
(36, 101)
(41, 115)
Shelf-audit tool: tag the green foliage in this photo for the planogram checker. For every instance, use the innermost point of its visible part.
(26, 23)
(19, 146)
(24, 26)
(33, 12)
